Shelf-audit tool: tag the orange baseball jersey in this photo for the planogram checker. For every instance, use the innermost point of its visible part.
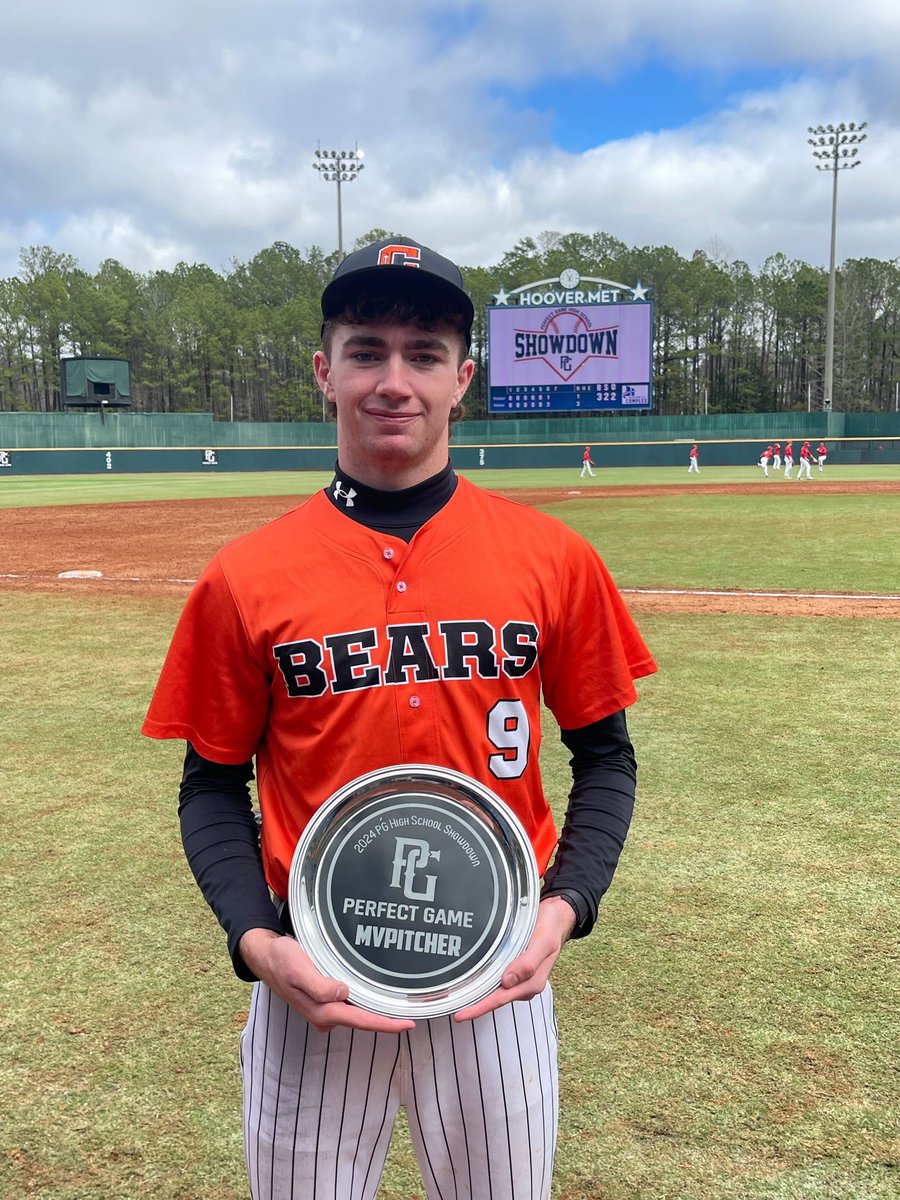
(327, 650)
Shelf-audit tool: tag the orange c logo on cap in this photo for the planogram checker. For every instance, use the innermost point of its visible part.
(399, 256)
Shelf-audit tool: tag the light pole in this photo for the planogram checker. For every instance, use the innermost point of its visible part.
(837, 147)
(339, 166)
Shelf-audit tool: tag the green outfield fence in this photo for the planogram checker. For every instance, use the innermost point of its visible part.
(75, 443)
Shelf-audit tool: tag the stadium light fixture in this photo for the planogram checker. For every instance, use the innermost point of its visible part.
(339, 166)
(837, 148)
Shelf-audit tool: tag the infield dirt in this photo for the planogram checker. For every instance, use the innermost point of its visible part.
(157, 548)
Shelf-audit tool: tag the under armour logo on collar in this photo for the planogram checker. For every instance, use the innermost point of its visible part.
(340, 494)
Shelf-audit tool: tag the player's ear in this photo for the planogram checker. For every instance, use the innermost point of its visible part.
(322, 369)
(464, 378)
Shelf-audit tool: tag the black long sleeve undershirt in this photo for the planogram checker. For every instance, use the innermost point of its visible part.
(598, 815)
(221, 842)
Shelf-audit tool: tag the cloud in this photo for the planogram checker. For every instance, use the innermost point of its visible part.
(187, 131)
(579, 35)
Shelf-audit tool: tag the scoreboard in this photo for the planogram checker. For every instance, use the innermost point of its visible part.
(570, 358)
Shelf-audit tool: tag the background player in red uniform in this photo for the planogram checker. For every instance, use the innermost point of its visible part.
(586, 463)
(764, 460)
(805, 461)
(693, 464)
(788, 459)
(776, 457)
(821, 455)
(400, 615)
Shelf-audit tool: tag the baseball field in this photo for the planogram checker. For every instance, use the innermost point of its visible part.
(729, 1030)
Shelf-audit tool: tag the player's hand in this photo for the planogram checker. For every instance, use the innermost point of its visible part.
(527, 975)
(283, 964)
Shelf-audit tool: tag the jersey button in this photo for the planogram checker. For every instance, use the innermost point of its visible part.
(415, 701)
(388, 552)
(401, 586)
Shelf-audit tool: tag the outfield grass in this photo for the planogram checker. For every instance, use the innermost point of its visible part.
(775, 542)
(38, 490)
(32, 490)
(728, 1031)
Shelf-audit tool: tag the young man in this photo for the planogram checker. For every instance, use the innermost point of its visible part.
(805, 461)
(788, 459)
(586, 463)
(821, 455)
(693, 464)
(402, 615)
(776, 457)
(764, 460)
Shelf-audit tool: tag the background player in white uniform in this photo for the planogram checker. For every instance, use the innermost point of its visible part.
(279, 655)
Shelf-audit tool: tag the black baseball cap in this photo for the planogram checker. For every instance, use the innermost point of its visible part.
(405, 265)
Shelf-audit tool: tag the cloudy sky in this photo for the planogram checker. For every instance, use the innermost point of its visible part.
(185, 130)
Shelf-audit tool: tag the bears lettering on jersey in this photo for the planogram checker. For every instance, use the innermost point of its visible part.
(359, 658)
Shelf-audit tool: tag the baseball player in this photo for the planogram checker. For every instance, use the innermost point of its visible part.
(586, 463)
(776, 457)
(805, 461)
(788, 459)
(764, 460)
(400, 615)
(693, 463)
(821, 455)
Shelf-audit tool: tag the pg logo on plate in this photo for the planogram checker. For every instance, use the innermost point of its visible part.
(416, 886)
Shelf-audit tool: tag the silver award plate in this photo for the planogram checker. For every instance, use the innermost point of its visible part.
(416, 886)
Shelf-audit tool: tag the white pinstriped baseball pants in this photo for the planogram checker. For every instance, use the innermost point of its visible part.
(481, 1099)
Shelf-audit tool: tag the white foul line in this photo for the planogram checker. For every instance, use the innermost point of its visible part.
(97, 577)
(761, 595)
